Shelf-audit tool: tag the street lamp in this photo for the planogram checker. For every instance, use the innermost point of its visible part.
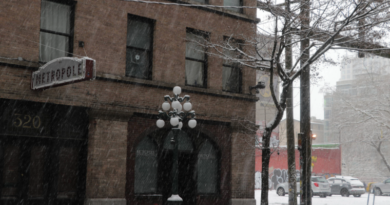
(176, 117)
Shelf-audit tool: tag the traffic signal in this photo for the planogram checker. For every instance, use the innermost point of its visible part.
(313, 135)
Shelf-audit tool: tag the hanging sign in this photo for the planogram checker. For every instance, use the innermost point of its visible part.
(61, 71)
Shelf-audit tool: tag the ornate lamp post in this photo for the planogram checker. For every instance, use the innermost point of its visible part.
(176, 117)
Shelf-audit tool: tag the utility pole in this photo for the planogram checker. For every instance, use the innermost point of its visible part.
(361, 32)
(292, 180)
(305, 105)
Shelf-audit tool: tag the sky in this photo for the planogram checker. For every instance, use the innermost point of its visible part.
(330, 75)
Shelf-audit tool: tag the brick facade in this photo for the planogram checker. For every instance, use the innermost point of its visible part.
(122, 110)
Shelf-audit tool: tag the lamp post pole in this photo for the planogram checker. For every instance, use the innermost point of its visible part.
(176, 117)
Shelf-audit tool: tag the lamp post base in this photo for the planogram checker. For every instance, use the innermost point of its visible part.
(174, 199)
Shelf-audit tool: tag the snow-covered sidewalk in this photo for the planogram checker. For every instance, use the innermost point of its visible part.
(274, 199)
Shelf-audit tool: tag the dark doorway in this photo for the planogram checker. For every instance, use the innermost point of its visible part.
(196, 152)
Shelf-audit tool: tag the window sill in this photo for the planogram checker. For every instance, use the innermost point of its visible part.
(164, 85)
(220, 11)
(19, 63)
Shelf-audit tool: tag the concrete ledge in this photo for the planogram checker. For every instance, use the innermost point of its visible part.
(243, 202)
(105, 201)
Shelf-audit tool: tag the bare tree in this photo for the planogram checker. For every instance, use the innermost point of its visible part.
(334, 24)
(361, 109)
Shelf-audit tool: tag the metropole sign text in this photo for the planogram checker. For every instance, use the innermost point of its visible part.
(61, 71)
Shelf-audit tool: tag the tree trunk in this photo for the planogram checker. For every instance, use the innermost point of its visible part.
(265, 157)
(378, 149)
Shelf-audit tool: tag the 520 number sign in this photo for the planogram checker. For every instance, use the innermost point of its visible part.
(26, 121)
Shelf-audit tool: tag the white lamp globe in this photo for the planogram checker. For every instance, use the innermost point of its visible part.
(180, 125)
(174, 121)
(187, 106)
(180, 107)
(176, 105)
(166, 106)
(177, 90)
(192, 123)
(160, 123)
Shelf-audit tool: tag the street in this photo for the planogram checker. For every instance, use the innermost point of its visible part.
(274, 199)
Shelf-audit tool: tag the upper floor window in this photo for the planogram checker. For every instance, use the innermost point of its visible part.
(231, 73)
(56, 34)
(139, 47)
(196, 58)
(237, 3)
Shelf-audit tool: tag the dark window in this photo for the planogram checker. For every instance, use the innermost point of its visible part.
(139, 47)
(146, 167)
(56, 34)
(235, 3)
(11, 176)
(196, 58)
(67, 172)
(207, 169)
(231, 73)
(36, 185)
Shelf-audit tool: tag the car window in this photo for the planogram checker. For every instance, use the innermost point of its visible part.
(337, 181)
(330, 181)
(318, 179)
(387, 181)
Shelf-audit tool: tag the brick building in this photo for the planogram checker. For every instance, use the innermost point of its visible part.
(83, 143)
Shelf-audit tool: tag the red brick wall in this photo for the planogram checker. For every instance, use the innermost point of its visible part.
(327, 162)
(102, 25)
(106, 165)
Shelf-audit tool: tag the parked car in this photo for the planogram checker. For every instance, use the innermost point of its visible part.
(339, 186)
(382, 188)
(319, 187)
(355, 188)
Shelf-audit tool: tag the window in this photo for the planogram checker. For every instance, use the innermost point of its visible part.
(233, 3)
(139, 47)
(196, 58)
(207, 168)
(146, 167)
(56, 34)
(231, 71)
(337, 181)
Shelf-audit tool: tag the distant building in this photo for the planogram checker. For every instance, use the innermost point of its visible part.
(354, 114)
(317, 127)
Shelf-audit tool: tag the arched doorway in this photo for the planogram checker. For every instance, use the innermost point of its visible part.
(198, 165)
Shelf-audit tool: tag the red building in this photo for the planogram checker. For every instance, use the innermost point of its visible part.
(326, 161)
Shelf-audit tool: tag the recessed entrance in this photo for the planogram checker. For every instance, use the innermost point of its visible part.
(198, 166)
